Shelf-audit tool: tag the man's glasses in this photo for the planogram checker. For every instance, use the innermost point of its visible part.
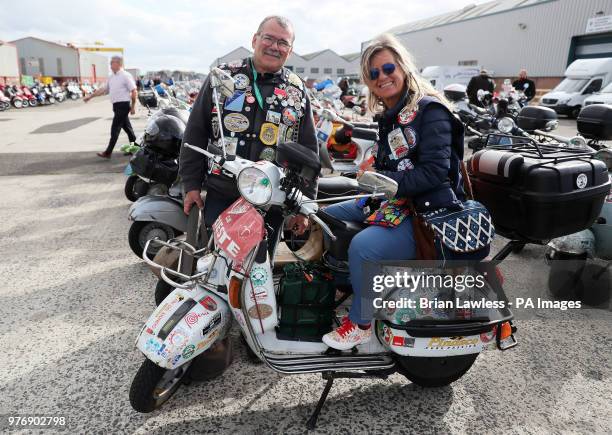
(387, 69)
(269, 41)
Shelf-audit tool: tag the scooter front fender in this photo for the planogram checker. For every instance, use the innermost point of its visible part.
(184, 325)
(161, 209)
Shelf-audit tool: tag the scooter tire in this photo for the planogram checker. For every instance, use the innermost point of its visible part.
(432, 372)
(145, 386)
(251, 356)
(135, 188)
(141, 231)
(162, 290)
(33, 103)
(18, 104)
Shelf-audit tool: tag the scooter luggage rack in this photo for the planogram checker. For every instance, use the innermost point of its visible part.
(540, 150)
(184, 248)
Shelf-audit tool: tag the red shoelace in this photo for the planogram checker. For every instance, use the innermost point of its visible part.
(346, 327)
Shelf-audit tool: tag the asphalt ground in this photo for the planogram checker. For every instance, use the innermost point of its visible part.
(73, 298)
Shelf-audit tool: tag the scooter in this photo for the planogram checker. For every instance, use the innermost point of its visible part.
(5, 102)
(186, 336)
(16, 97)
(31, 98)
(580, 262)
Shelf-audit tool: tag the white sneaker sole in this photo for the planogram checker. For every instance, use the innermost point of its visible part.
(342, 346)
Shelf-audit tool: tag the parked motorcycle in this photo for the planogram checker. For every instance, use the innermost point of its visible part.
(29, 96)
(16, 97)
(40, 95)
(58, 93)
(580, 262)
(5, 102)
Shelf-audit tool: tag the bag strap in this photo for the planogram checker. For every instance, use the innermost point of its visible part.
(467, 184)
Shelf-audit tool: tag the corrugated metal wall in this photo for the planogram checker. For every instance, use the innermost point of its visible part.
(32, 48)
(9, 66)
(500, 43)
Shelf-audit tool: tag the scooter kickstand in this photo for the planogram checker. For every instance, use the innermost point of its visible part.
(312, 421)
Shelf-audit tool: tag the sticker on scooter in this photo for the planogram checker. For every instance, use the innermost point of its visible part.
(227, 236)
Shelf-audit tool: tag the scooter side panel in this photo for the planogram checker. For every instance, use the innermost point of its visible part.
(184, 325)
(159, 209)
(400, 342)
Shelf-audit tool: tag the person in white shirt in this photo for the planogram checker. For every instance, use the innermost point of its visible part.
(122, 90)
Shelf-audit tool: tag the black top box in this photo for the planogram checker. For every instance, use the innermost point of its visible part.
(595, 122)
(532, 118)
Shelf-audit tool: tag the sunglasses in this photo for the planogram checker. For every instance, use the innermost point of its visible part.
(387, 70)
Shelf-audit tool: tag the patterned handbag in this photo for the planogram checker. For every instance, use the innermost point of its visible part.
(463, 230)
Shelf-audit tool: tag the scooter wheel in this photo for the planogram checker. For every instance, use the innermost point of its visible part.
(435, 372)
(135, 187)
(141, 232)
(33, 103)
(153, 386)
(162, 290)
(18, 104)
(251, 356)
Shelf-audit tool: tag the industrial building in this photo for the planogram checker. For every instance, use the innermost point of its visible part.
(543, 36)
(314, 66)
(38, 57)
(9, 66)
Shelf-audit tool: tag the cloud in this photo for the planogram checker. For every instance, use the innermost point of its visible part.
(189, 34)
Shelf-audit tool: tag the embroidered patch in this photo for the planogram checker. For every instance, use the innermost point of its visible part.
(273, 117)
(241, 81)
(398, 144)
(235, 102)
(268, 133)
(405, 164)
(231, 143)
(214, 122)
(268, 154)
(289, 116)
(405, 116)
(295, 81)
(236, 122)
(411, 137)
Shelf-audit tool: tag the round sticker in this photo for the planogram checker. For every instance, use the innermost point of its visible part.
(241, 81)
(268, 133)
(268, 154)
(405, 164)
(289, 116)
(411, 137)
(259, 276)
(405, 116)
(581, 181)
(236, 122)
(250, 99)
(294, 93)
(260, 311)
(188, 351)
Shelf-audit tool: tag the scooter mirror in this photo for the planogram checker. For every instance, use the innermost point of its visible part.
(374, 182)
(578, 142)
(480, 94)
(222, 81)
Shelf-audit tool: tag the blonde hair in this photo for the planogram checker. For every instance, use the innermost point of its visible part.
(416, 85)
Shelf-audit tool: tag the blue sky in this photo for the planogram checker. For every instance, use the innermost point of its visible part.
(189, 34)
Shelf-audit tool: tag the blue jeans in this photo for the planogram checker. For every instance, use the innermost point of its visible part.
(371, 244)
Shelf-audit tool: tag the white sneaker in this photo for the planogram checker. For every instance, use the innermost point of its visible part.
(347, 335)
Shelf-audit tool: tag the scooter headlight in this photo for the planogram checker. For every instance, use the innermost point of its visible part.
(505, 125)
(255, 186)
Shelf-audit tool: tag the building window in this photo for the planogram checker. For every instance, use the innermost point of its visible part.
(22, 62)
(60, 72)
(314, 70)
(327, 70)
(467, 63)
(299, 70)
(340, 71)
(41, 66)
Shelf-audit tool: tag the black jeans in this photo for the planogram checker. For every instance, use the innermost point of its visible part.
(121, 120)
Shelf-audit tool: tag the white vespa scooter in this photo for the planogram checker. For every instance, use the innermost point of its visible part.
(234, 279)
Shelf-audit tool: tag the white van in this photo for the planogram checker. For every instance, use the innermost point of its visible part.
(582, 78)
(602, 97)
(441, 76)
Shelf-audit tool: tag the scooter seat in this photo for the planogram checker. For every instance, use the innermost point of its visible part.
(330, 187)
(344, 232)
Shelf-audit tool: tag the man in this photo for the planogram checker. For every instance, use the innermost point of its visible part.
(270, 106)
(481, 81)
(122, 90)
(523, 84)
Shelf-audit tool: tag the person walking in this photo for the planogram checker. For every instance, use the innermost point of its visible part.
(525, 85)
(481, 81)
(122, 90)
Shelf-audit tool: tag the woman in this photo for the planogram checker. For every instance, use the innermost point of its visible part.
(420, 147)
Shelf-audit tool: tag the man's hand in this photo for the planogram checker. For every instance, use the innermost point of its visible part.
(192, 197)
(298, 224)
(133, 110)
